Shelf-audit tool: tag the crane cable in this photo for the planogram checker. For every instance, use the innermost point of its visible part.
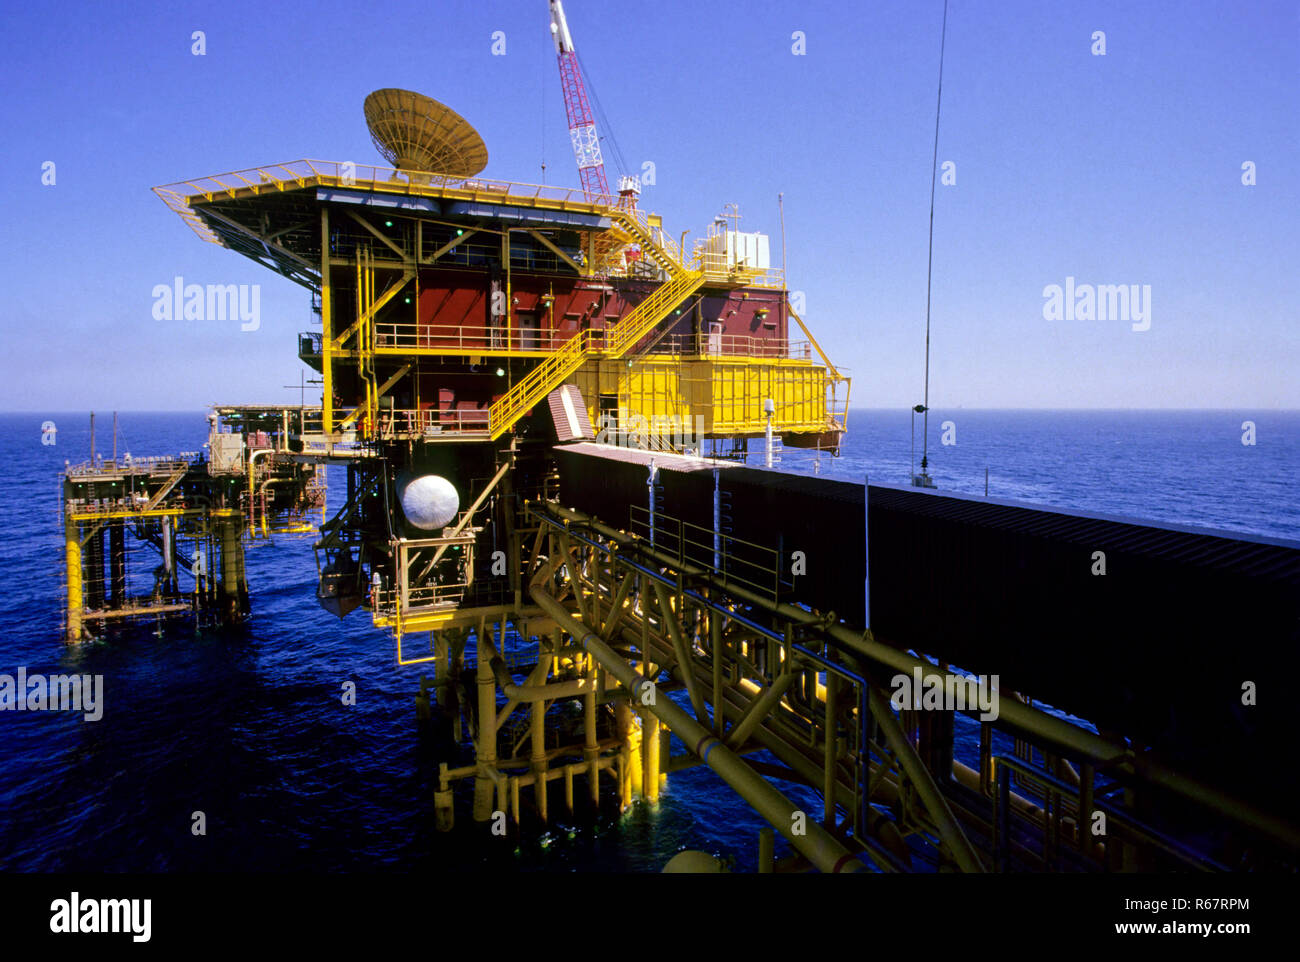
(603, 121)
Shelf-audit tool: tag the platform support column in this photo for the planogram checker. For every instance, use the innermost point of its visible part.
(629, 738)
(636, 761)
(537, 760)
(486, 745)
(327, 327)
(234, 590)
(443, 806)
(650, 751)
(168, 556)
(76, 598)
(623, 726)
(441, 668)
(590, 751)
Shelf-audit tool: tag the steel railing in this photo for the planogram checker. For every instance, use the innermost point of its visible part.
(739, 345)
(720, 265)
(1062, 800)
(736, 561)
(145, 465)
(474, 340)
(430, 422)
(538, 382)
(301, 174)
(413, 336)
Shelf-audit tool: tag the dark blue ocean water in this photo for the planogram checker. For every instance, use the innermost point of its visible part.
(248, 726)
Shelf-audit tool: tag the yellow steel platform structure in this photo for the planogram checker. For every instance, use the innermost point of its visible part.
(557, 640)
(184, 520)
(360, 238)
(283, 211)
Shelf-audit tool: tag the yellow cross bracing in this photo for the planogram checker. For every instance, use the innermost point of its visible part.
(614, 343)
(622, 226)
(584, 605)
(171, 482)
(546, 242)
(147, 510)
(96, 596)
(467, 516)
(609, 614)
(834, 373)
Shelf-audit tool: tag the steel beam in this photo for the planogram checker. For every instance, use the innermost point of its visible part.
(822, 849)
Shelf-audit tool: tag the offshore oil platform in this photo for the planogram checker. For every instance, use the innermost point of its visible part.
(543, 403)
(183, 520)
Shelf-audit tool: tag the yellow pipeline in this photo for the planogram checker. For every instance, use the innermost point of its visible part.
(252, 494)
(535, 693)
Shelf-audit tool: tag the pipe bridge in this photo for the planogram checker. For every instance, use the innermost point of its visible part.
(652, 642)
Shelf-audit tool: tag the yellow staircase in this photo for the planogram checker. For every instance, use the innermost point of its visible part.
(628, 229)
(620, 338)
(176, 477)
(548, 375)
(538, 383)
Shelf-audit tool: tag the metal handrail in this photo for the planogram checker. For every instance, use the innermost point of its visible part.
(142, 465)
(424, 422)
(299, 174)
(1056, 792)
(407, 335)
(696, 544)
(737, 345)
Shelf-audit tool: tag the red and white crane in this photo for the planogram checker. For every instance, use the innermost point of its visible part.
(582, 123)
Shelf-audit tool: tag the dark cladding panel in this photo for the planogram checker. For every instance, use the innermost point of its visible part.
(1158, 648)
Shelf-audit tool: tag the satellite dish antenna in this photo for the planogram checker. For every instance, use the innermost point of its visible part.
(416, 133)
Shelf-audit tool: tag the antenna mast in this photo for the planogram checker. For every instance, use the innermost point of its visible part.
(929, 269)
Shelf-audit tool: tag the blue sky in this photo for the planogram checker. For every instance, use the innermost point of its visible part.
(1117, 169)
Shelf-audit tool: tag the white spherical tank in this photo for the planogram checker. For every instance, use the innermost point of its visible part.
(429, 502)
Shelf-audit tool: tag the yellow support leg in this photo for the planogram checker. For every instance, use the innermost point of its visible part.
(537, 722)
(327, 330)
(591, 752)
(76, 601)
(650, 753)
(486, 747)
